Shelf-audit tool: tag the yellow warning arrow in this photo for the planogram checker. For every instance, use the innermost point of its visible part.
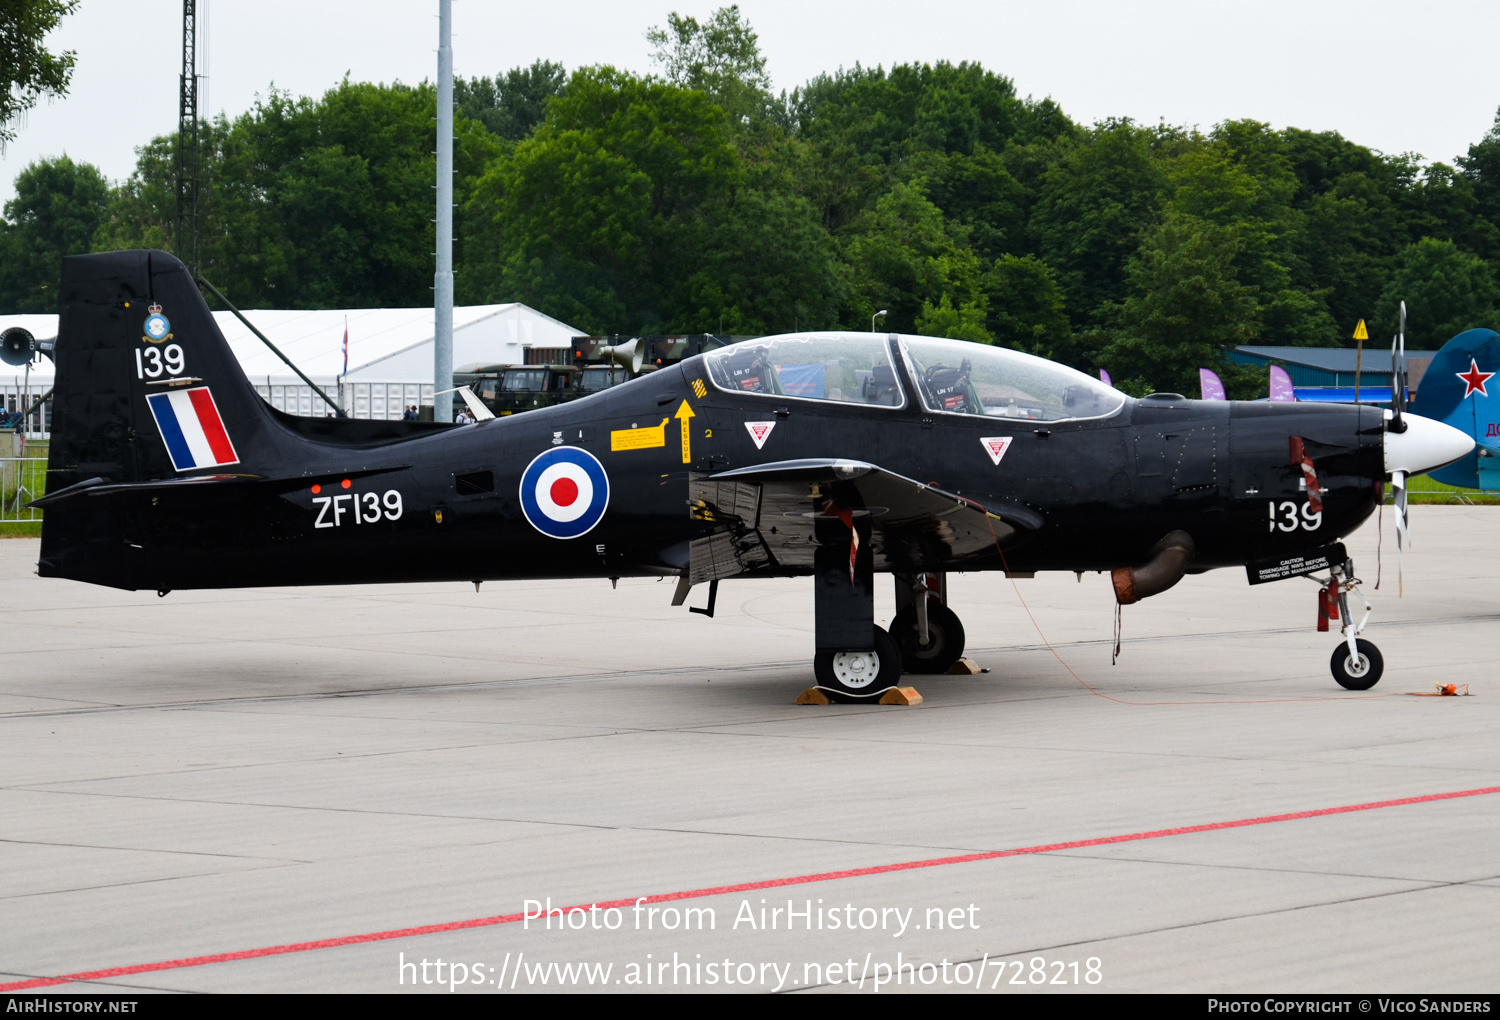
(1360, 333)
(683, 414)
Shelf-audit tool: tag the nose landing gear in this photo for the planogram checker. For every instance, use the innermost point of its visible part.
(1357, 663)
(1358, 671)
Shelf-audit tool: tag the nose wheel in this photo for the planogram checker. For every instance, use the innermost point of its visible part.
(1356, 663)
(1360, 670)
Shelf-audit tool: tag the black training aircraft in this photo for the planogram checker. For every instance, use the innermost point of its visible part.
(829, 455)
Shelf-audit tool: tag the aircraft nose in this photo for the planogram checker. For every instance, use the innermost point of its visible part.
(1424, 446)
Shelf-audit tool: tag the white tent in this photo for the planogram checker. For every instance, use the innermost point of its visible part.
(390, 352)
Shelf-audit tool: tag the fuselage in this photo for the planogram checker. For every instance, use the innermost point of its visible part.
(1098, 493)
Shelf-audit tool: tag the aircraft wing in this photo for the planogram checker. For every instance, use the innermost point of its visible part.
(772, 517)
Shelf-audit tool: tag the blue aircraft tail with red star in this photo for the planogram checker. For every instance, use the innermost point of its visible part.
(1461, 387)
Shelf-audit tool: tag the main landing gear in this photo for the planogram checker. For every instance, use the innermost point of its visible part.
(858, 661)
(1356, 663)
(929, 634)
(855, 660)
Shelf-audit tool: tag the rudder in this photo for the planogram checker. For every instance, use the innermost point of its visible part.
(146, 389)
(1472, 406)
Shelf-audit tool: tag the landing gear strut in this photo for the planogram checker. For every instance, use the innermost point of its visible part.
(856, 661)
(1356, 664)
(929, 634)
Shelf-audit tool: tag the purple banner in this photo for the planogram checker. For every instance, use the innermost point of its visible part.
(1213, 389)
(1281, 385)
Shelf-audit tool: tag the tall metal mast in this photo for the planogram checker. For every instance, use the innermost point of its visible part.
(442, 286)
(187, 141)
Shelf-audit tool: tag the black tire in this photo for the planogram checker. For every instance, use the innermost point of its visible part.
(860, 675)
(946, 634)
(1360, 676)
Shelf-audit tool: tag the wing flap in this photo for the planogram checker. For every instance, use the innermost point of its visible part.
(769, 517)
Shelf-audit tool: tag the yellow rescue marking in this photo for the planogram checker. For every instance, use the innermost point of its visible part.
(699, 390)
(639, 439)
(683, 414)
(1360, 333)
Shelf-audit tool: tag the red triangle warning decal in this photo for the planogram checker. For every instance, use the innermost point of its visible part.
(759, 431)
(996, 446)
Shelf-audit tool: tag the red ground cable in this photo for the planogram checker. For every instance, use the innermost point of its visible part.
(1144, 704)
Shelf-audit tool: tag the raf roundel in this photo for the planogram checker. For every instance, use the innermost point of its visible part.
(564, 492)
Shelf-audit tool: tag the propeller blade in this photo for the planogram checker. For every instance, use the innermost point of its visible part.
(1398, 392)
(1398, 366)
(1398, 491)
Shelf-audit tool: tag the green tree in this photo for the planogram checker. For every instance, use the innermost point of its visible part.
(1480, 170)
(1092, 209)
(59, 205)
(966, 322)
(768, 267)
(510, 105)
(720, 57)
(629, 209)
(311, 203)
(1355, 206)
(900, 257)
(864, 129)
(977, 193)
(1186, 309)
(1026, 308)
(27, 70)
(1240, 179)
(1446, 291)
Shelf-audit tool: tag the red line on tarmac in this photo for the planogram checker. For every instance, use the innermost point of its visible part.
(826, 876)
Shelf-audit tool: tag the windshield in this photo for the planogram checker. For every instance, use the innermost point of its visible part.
(596, 378)
(852, 368)
(994, 382)
(528, 379)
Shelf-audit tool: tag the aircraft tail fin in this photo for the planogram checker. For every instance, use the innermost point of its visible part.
(1461, 387)
(147, 390)
(146, 385)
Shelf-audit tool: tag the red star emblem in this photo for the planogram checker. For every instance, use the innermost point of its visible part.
(1474, 379)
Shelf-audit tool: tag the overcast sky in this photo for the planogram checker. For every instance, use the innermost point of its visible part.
(1399, 77)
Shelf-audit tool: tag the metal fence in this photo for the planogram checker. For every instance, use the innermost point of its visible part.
(1424, 485)
(22, 479)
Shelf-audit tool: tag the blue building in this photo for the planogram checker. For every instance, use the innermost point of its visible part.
(1327, 373)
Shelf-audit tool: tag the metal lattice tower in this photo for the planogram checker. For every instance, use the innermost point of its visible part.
(188, 150)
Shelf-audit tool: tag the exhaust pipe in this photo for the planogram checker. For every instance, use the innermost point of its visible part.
(1168, 562)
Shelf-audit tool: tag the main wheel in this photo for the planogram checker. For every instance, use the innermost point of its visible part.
(945, 634)
(860, 675)
(1357, 674)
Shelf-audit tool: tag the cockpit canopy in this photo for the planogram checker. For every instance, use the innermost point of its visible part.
(853, 368)
(952, 376)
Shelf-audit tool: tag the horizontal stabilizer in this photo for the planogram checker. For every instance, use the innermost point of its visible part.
(95, 487)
